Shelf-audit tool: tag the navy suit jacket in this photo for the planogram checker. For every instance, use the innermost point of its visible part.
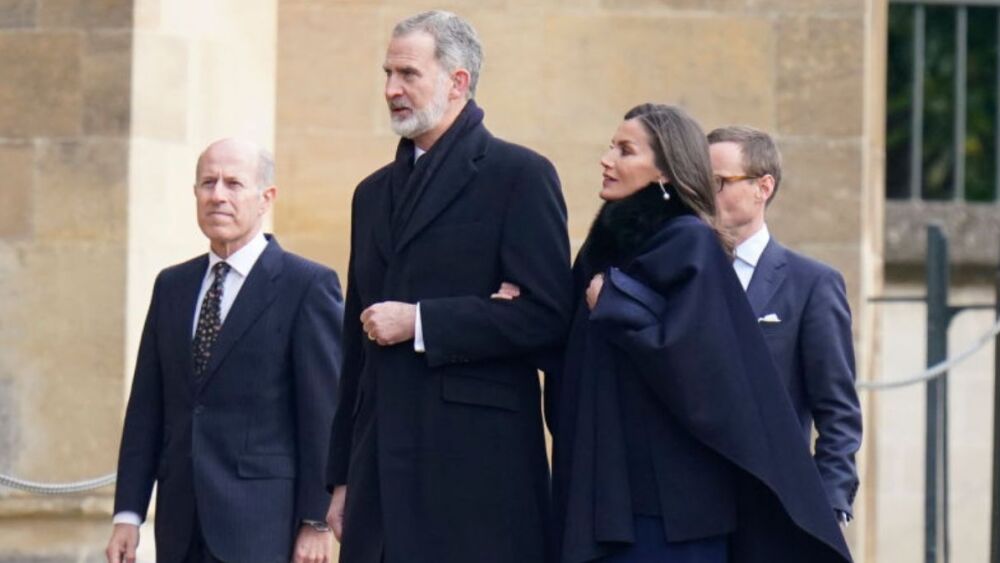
(812, 349)
(244, 445)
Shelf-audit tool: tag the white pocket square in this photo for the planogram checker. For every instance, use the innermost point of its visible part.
(769, 318)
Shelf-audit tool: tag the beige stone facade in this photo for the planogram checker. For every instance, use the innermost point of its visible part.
(64, 135)
(104, 105)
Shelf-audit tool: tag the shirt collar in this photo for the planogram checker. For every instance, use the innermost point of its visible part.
(418, 152)
(749, 251)
(243, 259)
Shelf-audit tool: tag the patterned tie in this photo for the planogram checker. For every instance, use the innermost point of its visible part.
(209, 319)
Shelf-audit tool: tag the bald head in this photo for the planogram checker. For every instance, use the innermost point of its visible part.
(245, 150)
(234, 189)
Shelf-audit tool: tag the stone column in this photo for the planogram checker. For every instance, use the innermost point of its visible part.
(104, 106)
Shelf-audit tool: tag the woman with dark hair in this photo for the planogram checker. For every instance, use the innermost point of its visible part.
(674, 441)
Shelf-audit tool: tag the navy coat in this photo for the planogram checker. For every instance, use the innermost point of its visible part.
(812, 349)
(443, 453)
(726, 450)
(245, 444)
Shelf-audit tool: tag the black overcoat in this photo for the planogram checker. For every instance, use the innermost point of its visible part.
(443, 452)
(725, 445)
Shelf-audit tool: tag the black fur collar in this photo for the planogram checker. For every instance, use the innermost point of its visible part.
(622, 226)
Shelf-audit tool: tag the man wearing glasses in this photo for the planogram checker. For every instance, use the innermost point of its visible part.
(801, 307)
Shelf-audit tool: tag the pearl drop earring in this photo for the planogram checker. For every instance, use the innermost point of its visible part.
(663, 188)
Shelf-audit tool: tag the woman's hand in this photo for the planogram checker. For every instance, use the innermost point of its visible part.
(594, 290)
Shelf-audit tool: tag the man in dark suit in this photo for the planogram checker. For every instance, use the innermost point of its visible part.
(801, 308)
(235, 387)
(437, 451)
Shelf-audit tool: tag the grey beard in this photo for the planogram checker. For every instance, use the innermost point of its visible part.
(422, 120)
(412, 126)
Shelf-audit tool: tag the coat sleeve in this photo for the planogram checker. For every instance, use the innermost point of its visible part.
(341, 435)
(142, 434)
(316, 363)
(534, 254)
(670, 314)
(827, 353)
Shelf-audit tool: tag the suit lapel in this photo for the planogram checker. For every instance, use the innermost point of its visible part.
(258, 291)
(767, 276)
(456, 171)
(184, 302)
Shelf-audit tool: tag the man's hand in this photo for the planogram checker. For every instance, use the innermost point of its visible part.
(312, 546)
(389, 322)
(335, 516)
(121, 546)
(594, 290)
(507, 292)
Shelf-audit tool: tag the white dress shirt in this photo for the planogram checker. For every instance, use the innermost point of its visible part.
(240, 264)
(748, 254)
(418, 327)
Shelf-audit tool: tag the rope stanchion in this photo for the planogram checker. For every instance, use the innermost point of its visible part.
(56, 488)
(935, 370)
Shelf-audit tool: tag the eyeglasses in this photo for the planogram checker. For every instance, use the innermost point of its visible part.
(721, 181)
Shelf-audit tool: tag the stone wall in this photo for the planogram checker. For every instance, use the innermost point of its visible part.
(973, 231)
(64, 127)
(104, 106)
(899, 429)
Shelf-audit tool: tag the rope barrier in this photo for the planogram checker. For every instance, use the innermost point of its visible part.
(926, 375)
(56, 488)
(935, 370)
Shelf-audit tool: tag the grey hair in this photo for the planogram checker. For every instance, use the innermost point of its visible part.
(265, 169)
(456, 43)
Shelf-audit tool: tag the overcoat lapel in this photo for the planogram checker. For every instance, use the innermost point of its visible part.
(380, 217)
(767, 277)
(258, 291)
(454, 174)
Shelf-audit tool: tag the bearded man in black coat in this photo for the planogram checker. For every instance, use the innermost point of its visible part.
(437, 452)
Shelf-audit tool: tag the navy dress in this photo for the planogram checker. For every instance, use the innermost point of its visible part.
(673, 439)
(651, 546)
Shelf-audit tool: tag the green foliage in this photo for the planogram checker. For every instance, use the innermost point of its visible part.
(939, 73)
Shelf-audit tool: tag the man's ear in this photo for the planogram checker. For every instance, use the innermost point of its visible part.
(267, 197)
(460, 82)
(765, 184)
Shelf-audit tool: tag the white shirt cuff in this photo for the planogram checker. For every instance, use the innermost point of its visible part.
(127, 517)
(418, 333)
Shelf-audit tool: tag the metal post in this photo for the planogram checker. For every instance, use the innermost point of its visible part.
(960, 86)
(995, 525)
(917, 107)
(937, 351)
